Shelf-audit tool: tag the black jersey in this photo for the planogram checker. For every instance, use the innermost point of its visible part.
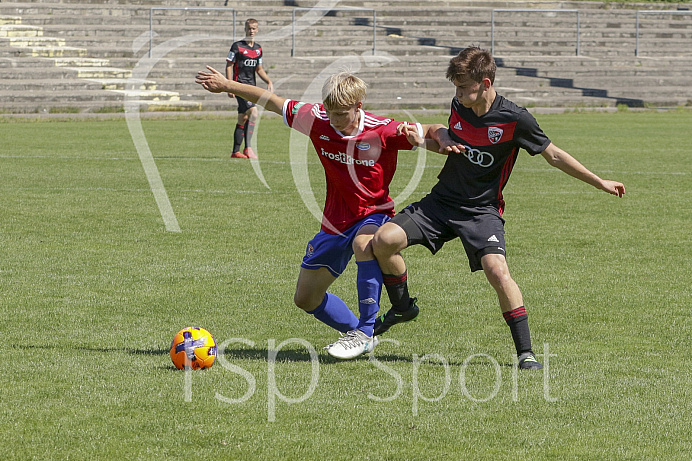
(245, 59)
(477, 176)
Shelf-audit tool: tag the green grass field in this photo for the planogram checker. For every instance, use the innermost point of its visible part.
(94, 288)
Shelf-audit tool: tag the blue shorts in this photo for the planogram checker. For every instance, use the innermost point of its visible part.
(334, 251)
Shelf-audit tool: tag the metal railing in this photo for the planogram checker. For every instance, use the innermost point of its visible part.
(504, 10)
(636, 46)
(293, 24)
(151, 19)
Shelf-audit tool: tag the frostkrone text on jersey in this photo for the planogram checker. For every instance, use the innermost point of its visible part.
(346, 159)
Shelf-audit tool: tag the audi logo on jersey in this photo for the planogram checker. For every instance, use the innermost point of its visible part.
(477, 157)
(250, 63)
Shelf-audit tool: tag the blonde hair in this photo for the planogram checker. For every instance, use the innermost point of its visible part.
(343, 90)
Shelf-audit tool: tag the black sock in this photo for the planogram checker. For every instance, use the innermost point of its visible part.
(518, 322)
(249, 129)
(238, 137)
(397, 289)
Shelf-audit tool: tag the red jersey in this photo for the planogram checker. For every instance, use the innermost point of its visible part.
(358, 168)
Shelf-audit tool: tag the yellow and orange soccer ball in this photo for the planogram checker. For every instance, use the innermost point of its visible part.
(193, 347)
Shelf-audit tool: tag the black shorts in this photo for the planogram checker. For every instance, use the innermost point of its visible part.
(244, 105)
(432, 224)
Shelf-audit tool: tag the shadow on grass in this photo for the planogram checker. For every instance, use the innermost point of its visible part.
(104, 350)
(302, 355)
(285, 355)
(291, 355)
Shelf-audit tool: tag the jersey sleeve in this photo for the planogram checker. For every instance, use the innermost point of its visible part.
(299, 115)
(232, 52)
(530, 136)
(392, 140)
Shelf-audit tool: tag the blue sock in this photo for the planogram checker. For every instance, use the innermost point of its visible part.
(369, 283)
(335, 313)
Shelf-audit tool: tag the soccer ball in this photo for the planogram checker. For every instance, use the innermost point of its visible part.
(193, 347)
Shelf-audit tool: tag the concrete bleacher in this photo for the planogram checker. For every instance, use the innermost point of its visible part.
(87, 56)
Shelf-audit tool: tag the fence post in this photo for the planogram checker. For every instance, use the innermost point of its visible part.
(636, 38)
(151, 30)
(578, 32)
(492, 32)
(374, 31)
(293, 33)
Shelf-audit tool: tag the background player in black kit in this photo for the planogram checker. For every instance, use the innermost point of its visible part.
(243, 61)
(486, 132)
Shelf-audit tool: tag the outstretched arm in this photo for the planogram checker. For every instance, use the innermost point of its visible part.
(263, 75)
(215, 82)
(435, 138)
(445, 144)
(565, 162)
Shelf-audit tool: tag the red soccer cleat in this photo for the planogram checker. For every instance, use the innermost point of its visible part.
(249, 153)
(238, 155)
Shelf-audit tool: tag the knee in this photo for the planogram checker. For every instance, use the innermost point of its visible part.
(305, 301)
(498, 278)
(388, 240)
(362, 248)
(300, 300)
(497, 273)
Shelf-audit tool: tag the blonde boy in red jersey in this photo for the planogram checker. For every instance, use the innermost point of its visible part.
(358, 151)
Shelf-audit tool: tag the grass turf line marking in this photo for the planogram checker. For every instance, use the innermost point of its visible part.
(151, 171)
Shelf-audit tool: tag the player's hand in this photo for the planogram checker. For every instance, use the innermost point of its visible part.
(212, 81)
(231, 95)
(452, 148)
(447, 144)
(270, 87)
(613, 188)
(411, 133)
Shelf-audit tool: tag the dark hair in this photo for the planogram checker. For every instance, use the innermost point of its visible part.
(473, 63)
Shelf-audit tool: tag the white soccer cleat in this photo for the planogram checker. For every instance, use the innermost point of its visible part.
(352, 344)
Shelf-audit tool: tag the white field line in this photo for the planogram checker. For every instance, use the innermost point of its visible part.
(150, 170)
(280, 162)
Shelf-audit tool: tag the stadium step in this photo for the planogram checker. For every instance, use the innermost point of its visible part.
(19, 30)
(81, 62)
(7, 20)
(104, 43)
(30, 41)
(125, 84)
(48, 51)
(101, 72)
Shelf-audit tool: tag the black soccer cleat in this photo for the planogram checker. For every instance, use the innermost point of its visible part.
(527, 361)
(393, 316)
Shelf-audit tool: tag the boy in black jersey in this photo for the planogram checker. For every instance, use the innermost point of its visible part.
(243, 61)
(484, 136)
